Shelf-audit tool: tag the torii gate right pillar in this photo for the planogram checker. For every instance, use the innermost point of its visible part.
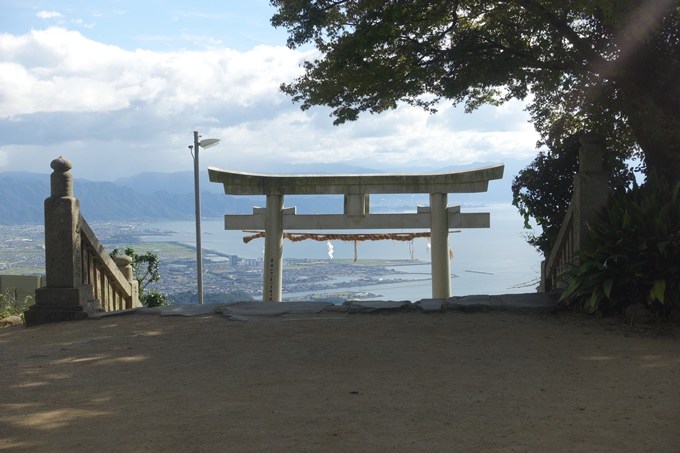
(439, 237)
(273, 250)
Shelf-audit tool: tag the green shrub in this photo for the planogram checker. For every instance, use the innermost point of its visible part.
(632, 253)
(10, 306)
(154, 298)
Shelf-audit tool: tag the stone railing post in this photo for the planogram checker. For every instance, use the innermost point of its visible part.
(124, 264)
(64, 297)
(591, 188)
(591, 191)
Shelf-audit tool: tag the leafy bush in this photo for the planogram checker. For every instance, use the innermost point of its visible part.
(10, 306)
(632, 253)
(154, 298)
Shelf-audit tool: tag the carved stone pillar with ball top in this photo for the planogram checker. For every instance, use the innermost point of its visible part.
(64, 297)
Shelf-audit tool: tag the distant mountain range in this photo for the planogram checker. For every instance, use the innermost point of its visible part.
(183, 181)
(169, 196)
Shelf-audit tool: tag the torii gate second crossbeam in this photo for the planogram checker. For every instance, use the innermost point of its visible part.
(438, 217)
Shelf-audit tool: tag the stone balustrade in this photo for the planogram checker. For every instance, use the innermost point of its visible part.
(81, 277)
(112, 280)
(562, 254)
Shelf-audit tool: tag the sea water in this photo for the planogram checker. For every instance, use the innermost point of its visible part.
(495, 260)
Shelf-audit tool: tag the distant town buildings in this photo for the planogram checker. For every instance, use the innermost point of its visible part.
(22, 253)
(256, 262)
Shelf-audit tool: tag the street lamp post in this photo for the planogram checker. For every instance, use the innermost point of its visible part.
(206, 143)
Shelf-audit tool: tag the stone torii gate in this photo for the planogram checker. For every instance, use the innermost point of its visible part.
(438, 217)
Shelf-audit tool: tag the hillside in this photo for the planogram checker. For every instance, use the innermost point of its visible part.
(22, 202)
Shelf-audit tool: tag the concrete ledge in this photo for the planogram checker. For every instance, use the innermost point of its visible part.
(541, 302)
(430, 305)
(530, 302)
(189, 310)
(148, 311)
(337, 308)
(274, 308)
(240, 311)
(372, 306)
(472, 303)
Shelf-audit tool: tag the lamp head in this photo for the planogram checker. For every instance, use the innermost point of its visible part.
(208, 142)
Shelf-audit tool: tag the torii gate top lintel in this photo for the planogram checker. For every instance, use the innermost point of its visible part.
(466, 181)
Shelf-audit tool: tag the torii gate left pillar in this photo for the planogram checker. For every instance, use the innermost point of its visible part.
(438, 217)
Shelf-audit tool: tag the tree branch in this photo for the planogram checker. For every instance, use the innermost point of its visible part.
(592, 57)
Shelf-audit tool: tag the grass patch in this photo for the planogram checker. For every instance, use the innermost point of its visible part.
(10, 306)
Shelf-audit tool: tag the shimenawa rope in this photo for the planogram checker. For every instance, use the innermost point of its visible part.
(355, 238)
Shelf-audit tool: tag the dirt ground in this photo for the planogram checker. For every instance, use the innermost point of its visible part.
(334, 382)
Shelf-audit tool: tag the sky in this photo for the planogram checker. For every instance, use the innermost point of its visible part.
(118, 86)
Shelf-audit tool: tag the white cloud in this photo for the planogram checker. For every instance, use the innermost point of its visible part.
(399, 138)
(62, 93)
(82, 23)
(203, 41)
(48, 14)
(87, 76)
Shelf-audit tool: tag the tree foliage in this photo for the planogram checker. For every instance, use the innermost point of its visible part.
(606, 66)
(543, 190)
(144, 266)
(145, 269)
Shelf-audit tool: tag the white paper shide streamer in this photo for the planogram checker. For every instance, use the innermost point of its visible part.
(330, 249)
